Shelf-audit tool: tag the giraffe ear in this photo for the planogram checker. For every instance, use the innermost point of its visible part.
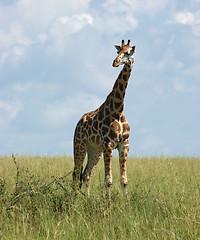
(117, 47)
(133, 49)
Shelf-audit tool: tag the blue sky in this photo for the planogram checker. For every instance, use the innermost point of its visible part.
(56, 64)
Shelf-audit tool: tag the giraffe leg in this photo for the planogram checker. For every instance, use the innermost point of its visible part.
(123, 149)
(93, 158)
(79, 156)
(107, 164)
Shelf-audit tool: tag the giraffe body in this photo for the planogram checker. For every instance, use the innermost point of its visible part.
(104, 129)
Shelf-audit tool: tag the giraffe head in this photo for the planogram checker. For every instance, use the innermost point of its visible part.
(125, 54)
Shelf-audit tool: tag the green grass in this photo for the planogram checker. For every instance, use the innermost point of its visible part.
(37, 200)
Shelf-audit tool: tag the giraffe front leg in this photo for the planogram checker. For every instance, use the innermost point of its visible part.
(107, 164)
(123, 149)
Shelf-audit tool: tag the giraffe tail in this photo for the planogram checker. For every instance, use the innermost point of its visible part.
(81, 177)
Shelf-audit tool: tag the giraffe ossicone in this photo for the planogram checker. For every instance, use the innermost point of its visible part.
(106, 128)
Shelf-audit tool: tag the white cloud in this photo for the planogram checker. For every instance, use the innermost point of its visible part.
(42, 37)
(34, 22)
(184, 18)
(76, 22)
(115, 18)
(36, 88)
(8, 111)
(119, 24)
(182, 86)
(59, 113)
(42, 12)
(13, 43)
(169, 60)
(83, 34)
(14, 36)
(146, 6)
(50, 24)
(187, 18)
(62, 28)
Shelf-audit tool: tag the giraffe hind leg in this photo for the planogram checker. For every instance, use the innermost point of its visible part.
(93, 158)
(79, 156)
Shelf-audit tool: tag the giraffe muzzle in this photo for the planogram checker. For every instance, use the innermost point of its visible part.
(116, 63)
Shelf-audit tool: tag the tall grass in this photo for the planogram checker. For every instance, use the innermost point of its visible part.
(37, 200)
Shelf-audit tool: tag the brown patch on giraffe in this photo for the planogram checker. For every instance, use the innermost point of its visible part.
(90, 121)
(107, 112)
(77, 128)
(100, 125)
(124, 77)
(84, 131)
(115, 116)
(95, 124)
(127, 147)
(111, 104)
(120, 75)
(97, 139)
(104, 130)
(121, 109)
(106, 121)
(125, 136)
(106, 140)
(78, 134)
(121, 87)
(118, 95)
(112, 134)
(100, 115)
(116, 85)
(94, 131)
(89, 131)
(117, 105)
(106, 155)
(122, 118)
(82, 148)
(116, 126)
(110, 150)
(125, 130)
(92, 138)
(125, 127)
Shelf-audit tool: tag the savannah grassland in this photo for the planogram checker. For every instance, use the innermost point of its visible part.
(37, 200)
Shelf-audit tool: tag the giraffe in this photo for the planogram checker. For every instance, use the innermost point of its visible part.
(105, 129)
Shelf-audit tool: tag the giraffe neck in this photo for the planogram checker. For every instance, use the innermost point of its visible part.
(116, 98)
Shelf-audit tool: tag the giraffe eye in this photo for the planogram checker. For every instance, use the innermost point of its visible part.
(127, 53)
